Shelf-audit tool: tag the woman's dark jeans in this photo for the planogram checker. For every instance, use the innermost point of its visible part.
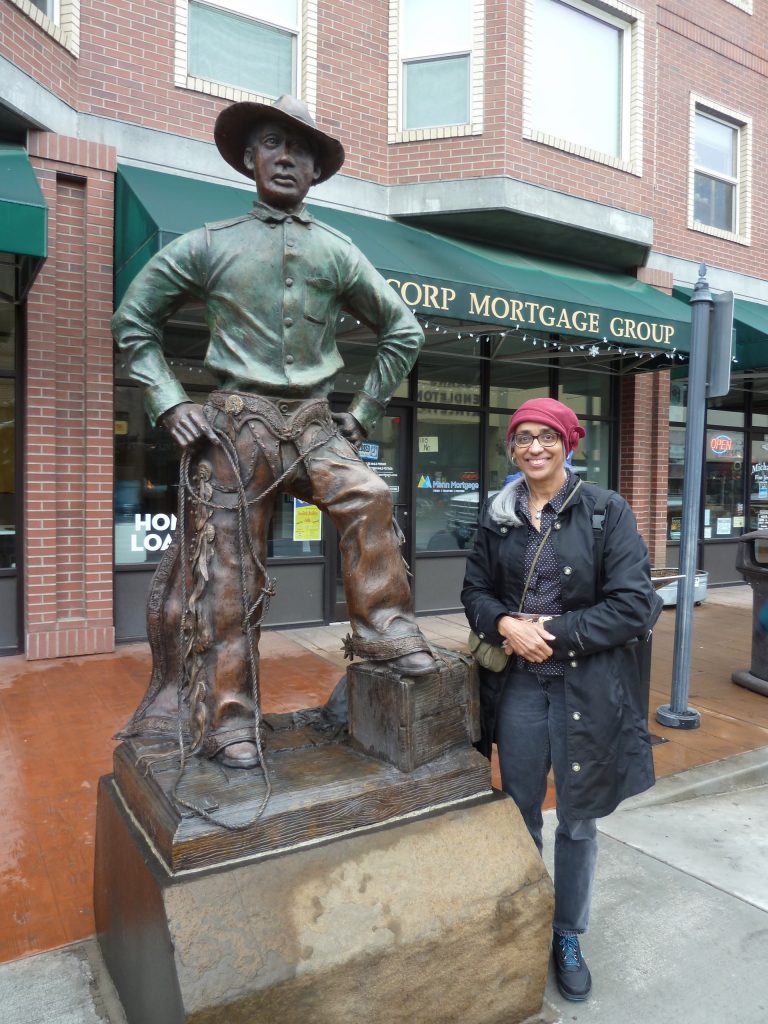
(531, 737)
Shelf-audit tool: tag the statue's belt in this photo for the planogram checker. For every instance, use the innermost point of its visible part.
(271, 421)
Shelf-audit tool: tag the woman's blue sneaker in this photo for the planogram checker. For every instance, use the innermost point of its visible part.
(571, 973)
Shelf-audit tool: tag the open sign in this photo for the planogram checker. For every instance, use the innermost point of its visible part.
(721, 444)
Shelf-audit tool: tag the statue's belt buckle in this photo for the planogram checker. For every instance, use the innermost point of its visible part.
(233, 404)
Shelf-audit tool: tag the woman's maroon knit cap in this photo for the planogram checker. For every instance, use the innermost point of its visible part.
(553, 414)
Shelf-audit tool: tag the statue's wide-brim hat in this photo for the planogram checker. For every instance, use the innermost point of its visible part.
(235, 125)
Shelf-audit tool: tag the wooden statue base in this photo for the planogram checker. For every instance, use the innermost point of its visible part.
(408, 750)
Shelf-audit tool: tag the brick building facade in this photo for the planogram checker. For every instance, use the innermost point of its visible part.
(98, 94)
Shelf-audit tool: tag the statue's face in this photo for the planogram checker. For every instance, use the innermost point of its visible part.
(283, 162)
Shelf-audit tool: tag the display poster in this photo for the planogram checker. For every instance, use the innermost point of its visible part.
(674, 528)
(428, 445)
(762, 519)
(307, 521)
(142, 537)
(707, 532)
(707, 517)
(760, 479)
(738, 522)
(723, 526)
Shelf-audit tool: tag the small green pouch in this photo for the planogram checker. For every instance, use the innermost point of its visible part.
(490, 656)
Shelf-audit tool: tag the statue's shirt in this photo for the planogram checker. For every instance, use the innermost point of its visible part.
(273, 285)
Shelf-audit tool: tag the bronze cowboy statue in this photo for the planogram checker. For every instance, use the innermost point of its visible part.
(273, 283)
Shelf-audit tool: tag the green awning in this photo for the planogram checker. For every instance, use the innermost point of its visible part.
(750, 322)
(435, 276)
(23, 212)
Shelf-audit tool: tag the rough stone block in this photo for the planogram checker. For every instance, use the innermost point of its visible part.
(440, 919)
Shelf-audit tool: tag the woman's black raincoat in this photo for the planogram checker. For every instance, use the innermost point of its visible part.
(604, 612)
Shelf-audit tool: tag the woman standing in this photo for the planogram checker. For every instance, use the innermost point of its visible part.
(569, 555)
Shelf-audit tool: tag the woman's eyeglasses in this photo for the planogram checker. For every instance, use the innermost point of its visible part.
(547, 439)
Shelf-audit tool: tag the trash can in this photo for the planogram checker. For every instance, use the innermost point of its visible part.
(752, 563)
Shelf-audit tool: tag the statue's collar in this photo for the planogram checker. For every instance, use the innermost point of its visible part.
(269, 213)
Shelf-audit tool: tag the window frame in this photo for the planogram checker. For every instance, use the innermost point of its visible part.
(63, 24)
(741, 232)
(397, 61)
(305, 50)
(632, 24)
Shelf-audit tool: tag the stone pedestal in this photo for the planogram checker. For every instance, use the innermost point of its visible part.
(440, 919)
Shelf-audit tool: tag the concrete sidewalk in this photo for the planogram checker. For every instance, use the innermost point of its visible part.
(678, 927)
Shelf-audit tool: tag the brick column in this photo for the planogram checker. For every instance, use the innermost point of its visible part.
(69, 429)
(644, 455)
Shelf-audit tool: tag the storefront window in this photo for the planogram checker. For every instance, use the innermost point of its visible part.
(446, 478)
(724, 483)
(587, 393)
(7, 323)
(758, 483)
(449, 371)
(513, 381)
(675, 488)
(591, 459)
(146, 492)
(7, 475)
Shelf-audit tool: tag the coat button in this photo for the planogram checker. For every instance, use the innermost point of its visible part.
(289, 244)
(574, 663)
(567, 570)
(571, 654)
(284, 408)
(556, 526)
(289, 359)
(576, 767)
(503, 529)
(289, 282)
(289, 220)
(481, 635)
(576, 716)
(288, 322)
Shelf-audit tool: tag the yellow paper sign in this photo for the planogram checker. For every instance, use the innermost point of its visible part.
(306, 521)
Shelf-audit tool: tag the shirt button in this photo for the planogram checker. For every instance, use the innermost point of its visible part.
(289, 360)
(289, 282)
(288, 322)
(576, 716)
(289, 243)
(576, 767)
(289, 220)
(567, 570)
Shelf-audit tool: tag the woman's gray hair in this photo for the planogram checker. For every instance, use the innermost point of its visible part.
(502, 508)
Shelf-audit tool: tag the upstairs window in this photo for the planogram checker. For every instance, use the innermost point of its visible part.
(61, 20)
(50, 8)
(584, 78)
(720, 172)
(245, 49)
(437, 58)
(436, 68)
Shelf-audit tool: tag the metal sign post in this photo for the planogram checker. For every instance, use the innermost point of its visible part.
(677, 714)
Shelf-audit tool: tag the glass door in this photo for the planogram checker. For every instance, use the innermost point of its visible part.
(386, 453)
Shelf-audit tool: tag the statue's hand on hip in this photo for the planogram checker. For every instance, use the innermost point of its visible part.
(188, 425)
(349, 428)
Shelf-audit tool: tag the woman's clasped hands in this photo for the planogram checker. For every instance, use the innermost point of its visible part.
(526, 637)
